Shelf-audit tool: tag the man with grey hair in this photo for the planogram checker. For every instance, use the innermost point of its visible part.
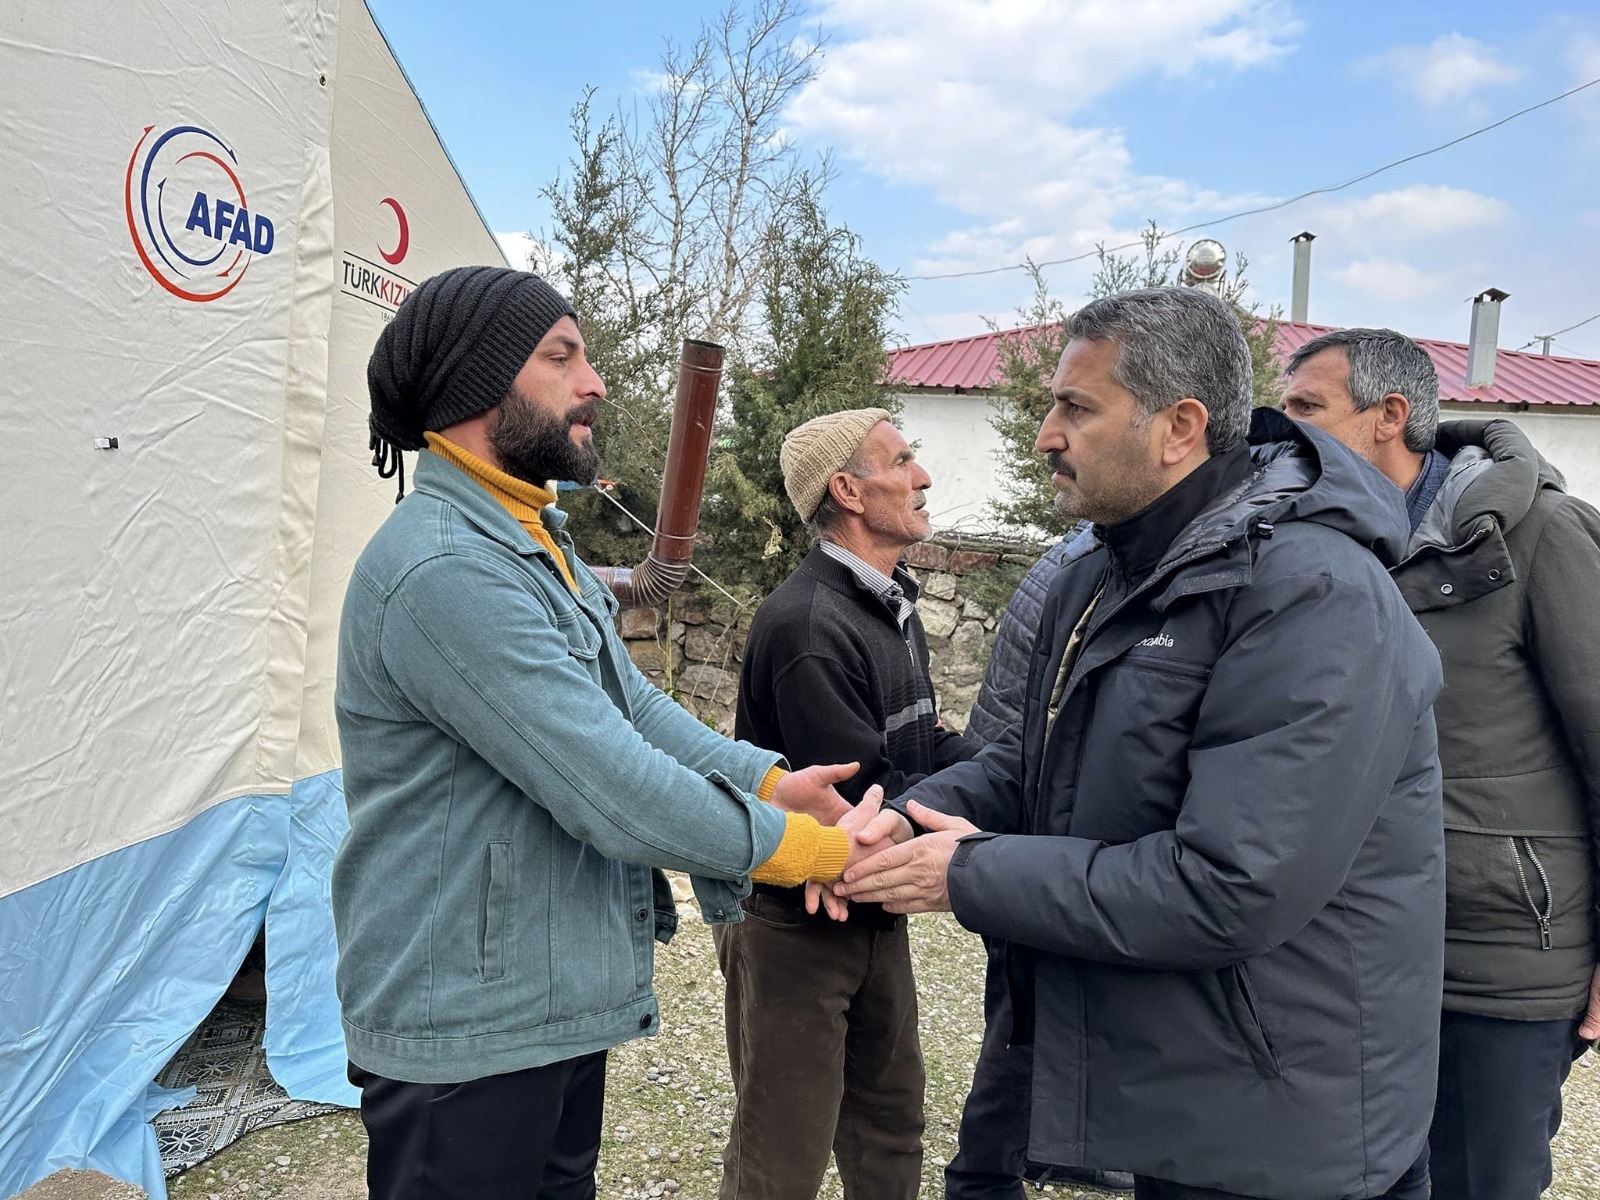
(1502, 569)
(822, 1015)
(1212, 842)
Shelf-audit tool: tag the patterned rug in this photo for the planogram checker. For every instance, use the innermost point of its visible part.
(225, 1063)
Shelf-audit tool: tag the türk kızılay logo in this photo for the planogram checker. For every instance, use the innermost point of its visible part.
(188, 214)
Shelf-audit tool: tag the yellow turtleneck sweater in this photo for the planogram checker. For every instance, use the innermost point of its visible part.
(808, 850)
(523, 500)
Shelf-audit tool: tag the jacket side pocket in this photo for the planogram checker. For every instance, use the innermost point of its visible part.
(1247, 1016)
(492, 910)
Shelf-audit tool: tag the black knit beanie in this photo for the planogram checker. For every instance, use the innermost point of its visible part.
(451, 352)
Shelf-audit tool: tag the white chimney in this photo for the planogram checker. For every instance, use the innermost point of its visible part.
(1484, 340)
(1300, 304)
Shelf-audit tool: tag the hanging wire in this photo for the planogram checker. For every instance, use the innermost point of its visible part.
(738, 603)
(1266, 208)
(1553, 336)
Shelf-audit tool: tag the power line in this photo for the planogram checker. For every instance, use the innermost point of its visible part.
(1266, 208)
(1550, 337)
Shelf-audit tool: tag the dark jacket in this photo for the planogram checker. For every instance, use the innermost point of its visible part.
(1227, 943)
(828, 677)
(1005, 683)
(1504, 574)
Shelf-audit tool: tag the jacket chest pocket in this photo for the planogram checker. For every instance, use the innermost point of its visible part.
(1141, 722)
(583, 635)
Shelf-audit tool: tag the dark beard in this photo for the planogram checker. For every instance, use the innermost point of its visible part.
(536, 447)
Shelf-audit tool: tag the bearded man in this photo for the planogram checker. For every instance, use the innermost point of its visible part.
(512, 778)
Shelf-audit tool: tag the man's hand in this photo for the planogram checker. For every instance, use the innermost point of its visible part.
(912, 876)
(1589, 1029)
(854, 822)
(811, 792)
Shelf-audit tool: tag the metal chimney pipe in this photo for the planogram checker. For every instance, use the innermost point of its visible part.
(683, 482)
(1300, 303)
(1484, 340)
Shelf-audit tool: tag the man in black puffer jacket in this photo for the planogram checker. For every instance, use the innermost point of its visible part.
(1213, 842)
(1503, 571)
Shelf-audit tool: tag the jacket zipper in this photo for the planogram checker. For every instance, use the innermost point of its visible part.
(1545, 941)
(1476, 536)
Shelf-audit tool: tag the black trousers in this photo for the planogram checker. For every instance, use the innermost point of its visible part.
(1499, 1105)
(991, 1154)
(529, 1135)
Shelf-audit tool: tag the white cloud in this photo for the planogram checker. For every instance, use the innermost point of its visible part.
(519, 248)
(977, 101)
(1449, 70)
(527, 253)
(1409, 214)
(1388, 280)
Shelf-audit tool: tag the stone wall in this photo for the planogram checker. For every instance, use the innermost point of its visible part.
(693, 648)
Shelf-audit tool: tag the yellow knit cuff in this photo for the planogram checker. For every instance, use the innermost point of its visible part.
(808, 851)
(769, 783)
(832, 856)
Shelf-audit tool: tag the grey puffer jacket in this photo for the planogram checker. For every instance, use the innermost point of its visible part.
(1005, 683)
(1221, 868)
(1504, 574)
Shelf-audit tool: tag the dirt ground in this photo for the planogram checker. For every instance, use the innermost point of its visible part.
(669, 1097)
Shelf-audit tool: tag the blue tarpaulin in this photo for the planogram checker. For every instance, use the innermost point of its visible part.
(107, 968)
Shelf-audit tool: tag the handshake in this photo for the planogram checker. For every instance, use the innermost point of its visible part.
(887, 865)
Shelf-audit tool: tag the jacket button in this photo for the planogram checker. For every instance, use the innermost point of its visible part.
(1447, 588)
(1494, 574)
(641, 914)
(719, 915)
(647, 1020)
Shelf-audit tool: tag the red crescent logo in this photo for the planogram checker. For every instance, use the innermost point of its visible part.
(405, 234)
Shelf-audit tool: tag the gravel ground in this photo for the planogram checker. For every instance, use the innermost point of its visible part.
(669, 1097)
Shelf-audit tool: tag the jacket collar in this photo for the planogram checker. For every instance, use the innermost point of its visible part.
(830, 572)
(446, 482)
(1140, 542)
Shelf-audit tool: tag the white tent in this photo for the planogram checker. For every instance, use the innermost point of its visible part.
(207, 212)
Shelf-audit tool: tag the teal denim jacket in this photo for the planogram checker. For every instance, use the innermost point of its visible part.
(512, 779)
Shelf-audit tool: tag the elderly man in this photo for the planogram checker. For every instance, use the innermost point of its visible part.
(1502, 569)
(511, 778)
(822, 1016)
(1212, 843)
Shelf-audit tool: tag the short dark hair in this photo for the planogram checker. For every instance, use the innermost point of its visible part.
(1174, 342)
(1383, 361)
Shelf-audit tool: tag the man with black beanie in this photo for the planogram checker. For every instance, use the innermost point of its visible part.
(511, 777)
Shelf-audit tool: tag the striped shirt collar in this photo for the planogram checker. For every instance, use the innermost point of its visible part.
(899, 594)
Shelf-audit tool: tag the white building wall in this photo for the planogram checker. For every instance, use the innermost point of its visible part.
(956, 444)
(1570, 440)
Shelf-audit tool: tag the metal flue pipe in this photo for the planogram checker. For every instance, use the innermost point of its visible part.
(683, 483)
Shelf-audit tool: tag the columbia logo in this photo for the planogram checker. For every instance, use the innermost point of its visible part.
(1160, 639)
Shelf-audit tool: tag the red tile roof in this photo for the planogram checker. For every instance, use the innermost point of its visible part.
(1534, 379)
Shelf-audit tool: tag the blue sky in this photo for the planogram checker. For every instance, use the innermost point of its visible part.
(968, 133)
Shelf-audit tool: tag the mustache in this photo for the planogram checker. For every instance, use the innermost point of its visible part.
(585, 414)
(1059, 464)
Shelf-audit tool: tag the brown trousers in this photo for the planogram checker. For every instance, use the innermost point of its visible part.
(822, 1037)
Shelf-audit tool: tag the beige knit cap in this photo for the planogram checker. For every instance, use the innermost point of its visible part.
(812, 452)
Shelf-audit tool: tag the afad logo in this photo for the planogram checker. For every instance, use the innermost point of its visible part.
(188, 214)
